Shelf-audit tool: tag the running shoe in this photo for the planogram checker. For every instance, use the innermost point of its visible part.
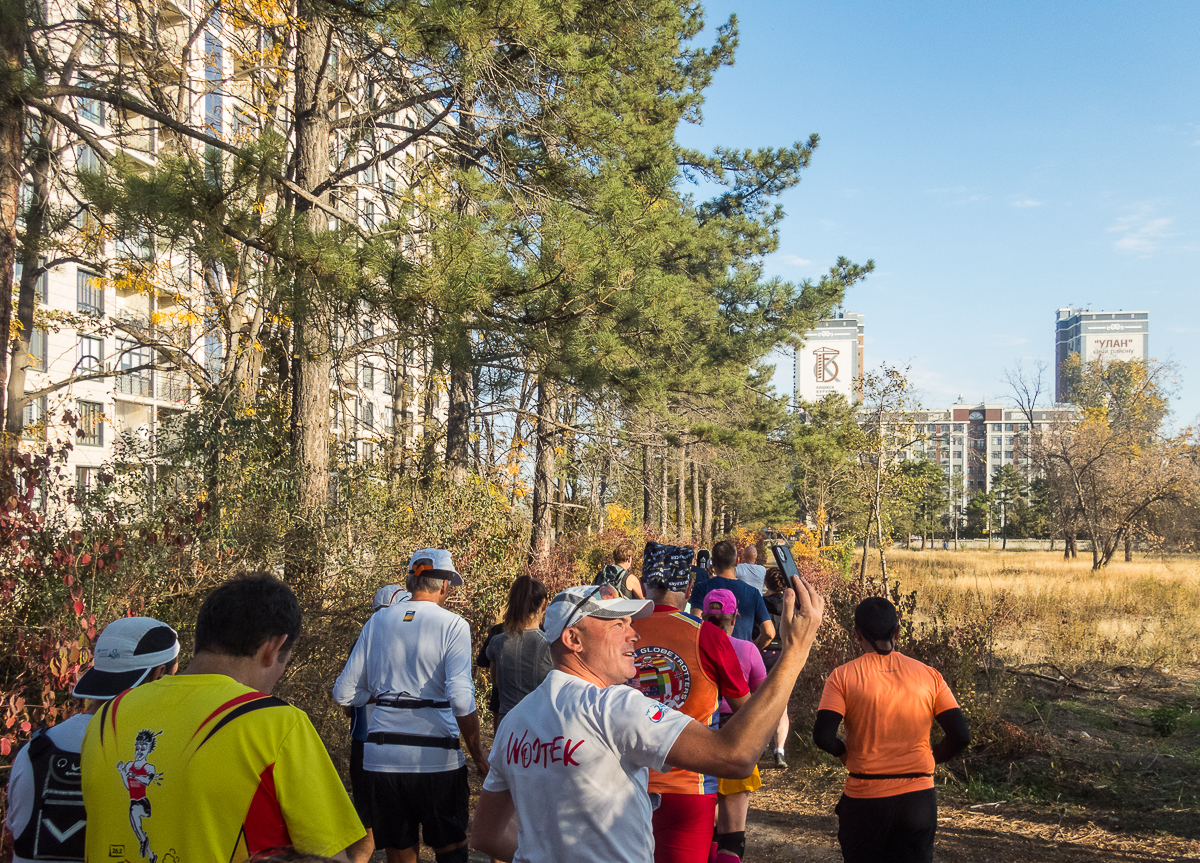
(780, 763)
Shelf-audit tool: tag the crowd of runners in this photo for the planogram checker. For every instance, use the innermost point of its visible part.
(630, 717)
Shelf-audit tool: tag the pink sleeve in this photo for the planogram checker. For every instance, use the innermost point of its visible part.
(757, 672)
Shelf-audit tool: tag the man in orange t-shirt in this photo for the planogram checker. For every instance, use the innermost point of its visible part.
(688, 665)
(888, 701)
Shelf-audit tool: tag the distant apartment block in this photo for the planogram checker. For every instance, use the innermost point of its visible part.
(974, 441)
(1093, 335)
(831, 360)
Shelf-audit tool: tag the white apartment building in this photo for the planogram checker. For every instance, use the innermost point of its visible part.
(83, 348)
(974, 441)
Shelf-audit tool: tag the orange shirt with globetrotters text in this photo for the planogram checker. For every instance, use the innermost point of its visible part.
(888, 704)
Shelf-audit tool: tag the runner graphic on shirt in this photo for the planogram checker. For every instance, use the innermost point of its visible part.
(137, 775)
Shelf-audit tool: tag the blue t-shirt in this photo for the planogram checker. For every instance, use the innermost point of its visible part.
(751, 608)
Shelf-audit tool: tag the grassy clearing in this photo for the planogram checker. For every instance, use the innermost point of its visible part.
(1095, 758)
(1041, 608)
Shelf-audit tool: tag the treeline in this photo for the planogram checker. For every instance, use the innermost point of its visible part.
(1111, 470)
(484, 203)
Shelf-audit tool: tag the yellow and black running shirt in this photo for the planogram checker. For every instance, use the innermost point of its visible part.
(201, 768)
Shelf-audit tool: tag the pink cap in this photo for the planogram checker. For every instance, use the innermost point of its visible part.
(720, 601)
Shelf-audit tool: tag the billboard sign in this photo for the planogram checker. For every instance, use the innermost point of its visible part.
(1114, 346)
(825, 366)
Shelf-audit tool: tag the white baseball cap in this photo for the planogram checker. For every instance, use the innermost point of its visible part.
(434, 563)
(126, 651)
(591, 600)
(387, 595)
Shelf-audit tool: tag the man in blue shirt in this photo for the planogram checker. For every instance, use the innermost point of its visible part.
(751, 608)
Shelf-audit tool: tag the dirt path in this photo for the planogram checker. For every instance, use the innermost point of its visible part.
(792, 820)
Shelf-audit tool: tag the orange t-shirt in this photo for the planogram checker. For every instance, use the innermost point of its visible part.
(888, 704)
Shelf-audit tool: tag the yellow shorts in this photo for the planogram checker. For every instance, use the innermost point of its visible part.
(736, 786)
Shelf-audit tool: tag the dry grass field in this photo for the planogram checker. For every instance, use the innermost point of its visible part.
(1096, 679)
(1046, 609)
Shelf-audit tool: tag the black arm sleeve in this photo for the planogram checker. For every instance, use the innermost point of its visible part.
(825, 732)
(958, 736)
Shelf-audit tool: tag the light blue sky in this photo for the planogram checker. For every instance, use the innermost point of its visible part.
(997, 160)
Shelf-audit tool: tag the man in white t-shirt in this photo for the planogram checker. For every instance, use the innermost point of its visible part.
(570, 763)
(412, 661)
(45, 803)
(749, 572)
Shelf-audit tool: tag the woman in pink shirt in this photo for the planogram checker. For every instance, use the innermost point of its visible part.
(733, 795)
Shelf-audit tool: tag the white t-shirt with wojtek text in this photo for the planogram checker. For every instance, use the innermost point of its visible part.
(576, 759)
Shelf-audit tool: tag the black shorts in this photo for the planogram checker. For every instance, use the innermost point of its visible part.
(143, 803)
(437, 802)
(898, 829)
(359, 788)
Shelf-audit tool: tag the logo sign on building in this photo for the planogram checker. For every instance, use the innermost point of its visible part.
(826, 366)
(1114, 346)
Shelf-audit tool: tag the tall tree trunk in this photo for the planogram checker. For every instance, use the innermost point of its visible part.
(540, 539)
(681, 495)
(560, 517)
(1129, 547)
(606, 466)
(312, 317)
(664, 506)
(35, 225)
(458, 420)
(697, 533)
(882, 549)
(706, 531)
(647, 484)
(13, 23)
(723, 520)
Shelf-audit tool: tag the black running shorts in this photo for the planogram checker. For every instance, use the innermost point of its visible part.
(436, 802)
(897, 829)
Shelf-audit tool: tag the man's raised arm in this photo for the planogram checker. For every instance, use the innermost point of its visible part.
(732, 752)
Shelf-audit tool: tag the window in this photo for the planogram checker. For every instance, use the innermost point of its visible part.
(368, 415)
(43, 282)
(86, 479)
(1008, 426)
(91, 110)
(958, 427)
(91, 354)
(958, 454)
(134, 356)
(368, 450)
(87, 159)
(387, 382)
(89, 293)
(1024, 426)
(32, 417)
(212, 354)
(37, 350)
(996, 441)
(1008, 454)
(368, 376)
(91, 425)
(1009, 441)
(389, 420)
(996, 427)
(995, 455)
(366, 220)
(213, 73)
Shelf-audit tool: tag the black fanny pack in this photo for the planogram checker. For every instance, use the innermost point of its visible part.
(389, 739)
(409, 703)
